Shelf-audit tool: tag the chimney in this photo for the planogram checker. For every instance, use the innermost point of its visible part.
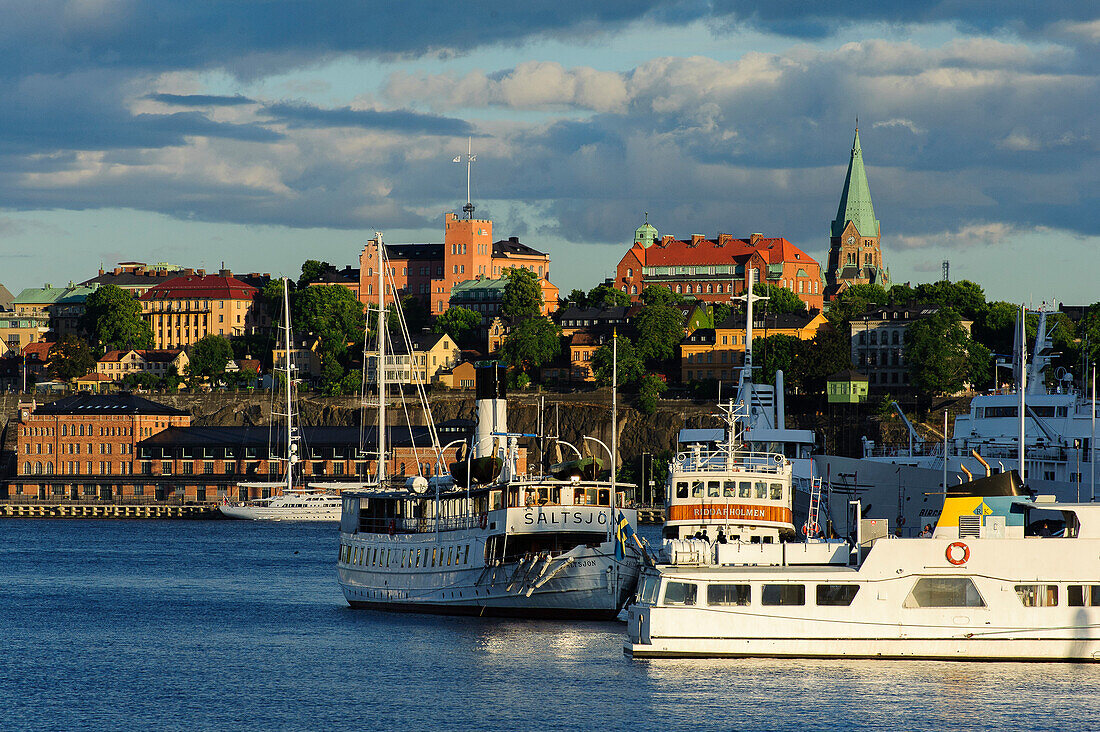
(202, 273)
(754, 239)
(101, 270)
(696, 239)
(224, 273)
(667, 239)
(724, 239)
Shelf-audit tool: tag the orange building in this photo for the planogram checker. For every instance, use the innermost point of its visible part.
(430, 271)
(717, 353)
(713, 269)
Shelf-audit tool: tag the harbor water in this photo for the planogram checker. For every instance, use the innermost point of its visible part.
(186, 625)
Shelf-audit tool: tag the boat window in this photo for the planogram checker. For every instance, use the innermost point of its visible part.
(783, 595)
(836, 595)
(466, 555)
(761, 489)
(776, 491)
(434, 550)
(604, 497)
(1038, 595)
(418, 557)
(1083, 595)
(648, 591)
(680, 593)
(713, 488)
(728, 594)
(944, 592)
(729, 489)
(450, 555)
(697, 489)
(745, 489)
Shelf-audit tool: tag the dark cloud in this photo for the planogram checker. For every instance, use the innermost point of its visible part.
(307, 115)
(200, 100)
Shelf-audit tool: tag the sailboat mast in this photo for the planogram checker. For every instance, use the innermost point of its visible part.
(614, 416)
(1021, 388)
(291, 437)
(381, 370)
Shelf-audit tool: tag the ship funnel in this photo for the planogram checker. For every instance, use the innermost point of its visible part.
(492, 409)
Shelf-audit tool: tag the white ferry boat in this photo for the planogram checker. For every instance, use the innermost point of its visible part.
(1003, 577)
(292, 502)
(496, 543)
(740, 482)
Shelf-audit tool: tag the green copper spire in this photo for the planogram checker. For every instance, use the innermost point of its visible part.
(855, 201)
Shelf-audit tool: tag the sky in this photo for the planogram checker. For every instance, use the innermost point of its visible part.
(261, 134)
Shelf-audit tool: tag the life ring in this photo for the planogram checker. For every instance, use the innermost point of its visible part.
(950, 553)
(483, 521)
(808, 528)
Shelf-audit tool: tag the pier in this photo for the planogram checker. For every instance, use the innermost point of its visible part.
(107, 511)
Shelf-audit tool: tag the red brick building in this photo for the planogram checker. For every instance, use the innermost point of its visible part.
(714, 269)
(430, 271)
(83, 446)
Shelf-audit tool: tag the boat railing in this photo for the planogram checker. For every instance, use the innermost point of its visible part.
(932, 450)
(719, 461)
(403, 525)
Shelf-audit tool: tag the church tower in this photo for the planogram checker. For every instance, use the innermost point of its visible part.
(855, 256)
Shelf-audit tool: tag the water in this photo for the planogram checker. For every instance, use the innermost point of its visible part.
(149, 625)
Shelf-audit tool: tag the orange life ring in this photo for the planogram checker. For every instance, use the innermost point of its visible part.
(484, 520)
(808, 528)
(950, 553)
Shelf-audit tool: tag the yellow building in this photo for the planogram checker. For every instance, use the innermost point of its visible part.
(17, 331)
(187, 308)
(717, 353)
(119, 364)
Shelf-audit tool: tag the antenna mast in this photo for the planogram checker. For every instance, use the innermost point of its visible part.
(470, 158)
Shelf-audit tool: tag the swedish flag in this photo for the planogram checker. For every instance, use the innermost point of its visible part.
(623, 532)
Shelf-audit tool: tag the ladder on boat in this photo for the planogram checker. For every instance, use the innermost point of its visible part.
(813, 523)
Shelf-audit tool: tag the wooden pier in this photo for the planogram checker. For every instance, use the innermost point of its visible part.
(106, 511)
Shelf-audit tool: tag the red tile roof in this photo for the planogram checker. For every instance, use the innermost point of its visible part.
(207, 287)
(166, 355)
(41, 351)
(709, 251)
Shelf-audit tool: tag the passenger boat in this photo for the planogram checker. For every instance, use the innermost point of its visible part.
(496, 543)
(1003, 577)
(291, 502)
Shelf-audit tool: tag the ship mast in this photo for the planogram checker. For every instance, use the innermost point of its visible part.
(291, 434)
(381, 370)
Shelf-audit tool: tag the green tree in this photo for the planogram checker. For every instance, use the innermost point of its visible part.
(606, 296)
(418, 315)
(457, 322)
(660, 329)
(781, 299)
(964, 297)
(629, 363)
(941, 356)
(531, 343)
(649, 391)
(522, 294)
(577, 298)
(828, 352)
(661, 295)
(721, 312)
(113, 319)
(312, 271)
(853, 302)
(996, 328)
(208, 356)
(271, 296)
(774, 353)
(331, 312)
(70, 358)
(900, 295)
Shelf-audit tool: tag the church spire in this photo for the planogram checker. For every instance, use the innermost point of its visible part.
(855, 199)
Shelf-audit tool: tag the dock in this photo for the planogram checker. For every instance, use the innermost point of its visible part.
(107, 511)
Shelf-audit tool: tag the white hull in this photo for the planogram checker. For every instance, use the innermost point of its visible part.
(266, 513)
(446, 572)
(880, 621)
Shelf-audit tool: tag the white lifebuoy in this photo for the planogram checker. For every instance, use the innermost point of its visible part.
(949, 553)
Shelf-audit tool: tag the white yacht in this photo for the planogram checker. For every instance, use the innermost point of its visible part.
(1004, 577)
(290, 505)
(495, 542)
(1057, 430)
(290, 502)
